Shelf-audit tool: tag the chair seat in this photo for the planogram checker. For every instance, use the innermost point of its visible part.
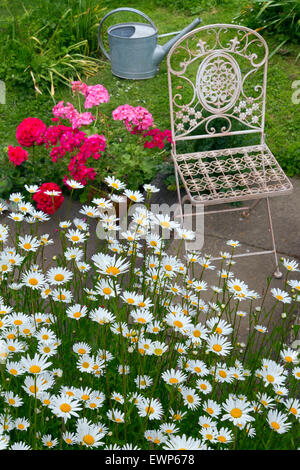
(223, 176)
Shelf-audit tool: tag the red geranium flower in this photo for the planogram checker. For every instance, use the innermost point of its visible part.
(17, 155)
(30, 132)
(46, 203)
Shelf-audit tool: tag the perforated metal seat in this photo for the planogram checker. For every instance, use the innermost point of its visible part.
(223, 176)
(217, 77)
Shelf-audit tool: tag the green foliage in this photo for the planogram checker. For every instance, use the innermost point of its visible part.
(193, 7)
(48, 42)
(36, 170)
(282, 118)
(133, 164)
(280, 17)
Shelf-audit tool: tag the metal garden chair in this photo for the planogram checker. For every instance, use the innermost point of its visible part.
(217, 89)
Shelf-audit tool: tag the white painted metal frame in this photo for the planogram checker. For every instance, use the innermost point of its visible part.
(223, 68)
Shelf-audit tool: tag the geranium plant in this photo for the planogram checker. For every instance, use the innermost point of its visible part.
(85, 145)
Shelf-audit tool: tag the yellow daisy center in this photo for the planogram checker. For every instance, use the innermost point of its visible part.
(275, 425)
(158, 351)
(149, 410)
(173, 380)
(88, 440)
(112, 270)
(65, 407)
(236, 413)
(106, 290)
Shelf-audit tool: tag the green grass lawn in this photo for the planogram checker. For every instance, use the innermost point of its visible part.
(282, 116)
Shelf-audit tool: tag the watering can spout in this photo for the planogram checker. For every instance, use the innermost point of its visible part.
(161, 51)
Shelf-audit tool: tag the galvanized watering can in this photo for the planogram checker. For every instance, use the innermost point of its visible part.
(134, 52)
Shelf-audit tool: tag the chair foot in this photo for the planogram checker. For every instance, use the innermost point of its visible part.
(278, 274)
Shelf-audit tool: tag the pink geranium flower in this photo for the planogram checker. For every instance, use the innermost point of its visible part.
(94, 94)
(70, 112)
(136, 119)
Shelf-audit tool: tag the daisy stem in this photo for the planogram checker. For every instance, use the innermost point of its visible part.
(35, 414)
(69, 204)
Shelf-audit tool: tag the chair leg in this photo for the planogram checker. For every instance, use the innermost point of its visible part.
(179, 197)
(277, 272)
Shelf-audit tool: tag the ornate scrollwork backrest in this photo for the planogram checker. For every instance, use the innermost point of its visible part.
(217, 82)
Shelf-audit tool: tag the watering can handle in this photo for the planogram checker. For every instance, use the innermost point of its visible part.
(133, 10)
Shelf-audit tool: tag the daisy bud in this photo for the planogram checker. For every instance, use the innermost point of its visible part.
(223, 306)
(130, 349)
(238, 344)
(283, 315)
(241, 351)
(258, 309)
(109, 433)
(242, 345)
(195, 352)
(54, 258)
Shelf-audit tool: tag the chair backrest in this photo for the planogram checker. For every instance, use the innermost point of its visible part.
(217, 82)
